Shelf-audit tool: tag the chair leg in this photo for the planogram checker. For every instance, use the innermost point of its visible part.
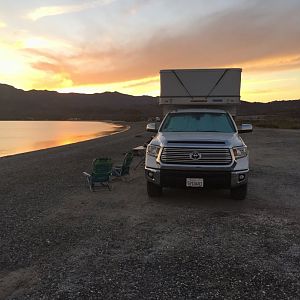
(91, 185)
(106, 185)
(89, 181)
(142, 161)
(117, 172)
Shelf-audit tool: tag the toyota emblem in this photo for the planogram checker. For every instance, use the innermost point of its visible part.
(195, 155)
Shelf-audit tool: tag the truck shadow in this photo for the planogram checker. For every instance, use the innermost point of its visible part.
(206, 198)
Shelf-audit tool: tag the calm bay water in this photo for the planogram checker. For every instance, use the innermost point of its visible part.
(24, 136)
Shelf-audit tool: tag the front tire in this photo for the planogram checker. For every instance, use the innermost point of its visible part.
(239, 193)
(153, 190)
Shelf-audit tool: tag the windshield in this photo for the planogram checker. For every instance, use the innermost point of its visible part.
(198, 122)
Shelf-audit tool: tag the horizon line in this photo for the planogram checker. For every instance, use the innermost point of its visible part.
(82, 93)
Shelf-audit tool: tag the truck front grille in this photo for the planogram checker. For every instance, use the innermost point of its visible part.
(196, 156)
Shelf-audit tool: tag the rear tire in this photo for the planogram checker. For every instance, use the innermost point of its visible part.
(153, 190)
(239, 193)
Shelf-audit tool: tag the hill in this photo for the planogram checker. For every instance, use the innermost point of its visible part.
(275, 114)
(17, 104)
(288, 108)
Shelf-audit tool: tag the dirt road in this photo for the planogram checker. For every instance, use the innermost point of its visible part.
(60, 241)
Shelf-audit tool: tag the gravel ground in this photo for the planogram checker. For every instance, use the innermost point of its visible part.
(60, 241)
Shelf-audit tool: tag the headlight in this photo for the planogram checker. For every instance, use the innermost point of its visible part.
(240, 152)
(153, 150)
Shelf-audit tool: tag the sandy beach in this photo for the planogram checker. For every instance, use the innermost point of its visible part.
(60, 241)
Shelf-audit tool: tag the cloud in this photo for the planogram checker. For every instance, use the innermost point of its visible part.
(274, 63)
(142, 82)
(136, 6)
(260, 91)
(46, 11)
(252, 36)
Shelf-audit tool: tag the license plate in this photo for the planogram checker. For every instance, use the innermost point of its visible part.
(194, 182)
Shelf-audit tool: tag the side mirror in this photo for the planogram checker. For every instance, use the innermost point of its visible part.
(151, 127)
(245, 128)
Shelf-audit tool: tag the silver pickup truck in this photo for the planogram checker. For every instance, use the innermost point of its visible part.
(197, 148)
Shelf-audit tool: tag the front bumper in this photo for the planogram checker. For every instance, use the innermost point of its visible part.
(212, 179)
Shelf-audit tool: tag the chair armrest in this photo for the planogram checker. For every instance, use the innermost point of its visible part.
(117, 167)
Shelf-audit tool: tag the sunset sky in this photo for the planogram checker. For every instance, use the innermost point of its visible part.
(120, 45)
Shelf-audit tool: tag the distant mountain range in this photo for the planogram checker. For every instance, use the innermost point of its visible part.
(283, 109)
(16, 104)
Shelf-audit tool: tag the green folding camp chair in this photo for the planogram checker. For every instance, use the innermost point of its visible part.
(123, 169)
(101, 173)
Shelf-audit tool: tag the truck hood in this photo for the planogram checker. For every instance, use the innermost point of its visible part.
(217, 139)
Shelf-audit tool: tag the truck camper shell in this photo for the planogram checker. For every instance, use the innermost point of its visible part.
(198, 143)
(200, 88)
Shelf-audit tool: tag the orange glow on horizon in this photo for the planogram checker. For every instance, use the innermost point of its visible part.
(258, 84)
(261, 81)
(145, 86)
(255, 86)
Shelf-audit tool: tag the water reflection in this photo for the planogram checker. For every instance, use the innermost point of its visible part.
(23, 136)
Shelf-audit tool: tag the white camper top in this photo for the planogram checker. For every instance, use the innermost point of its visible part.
(200, 88)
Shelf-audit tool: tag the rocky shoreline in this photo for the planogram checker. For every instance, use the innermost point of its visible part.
(60, 241)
